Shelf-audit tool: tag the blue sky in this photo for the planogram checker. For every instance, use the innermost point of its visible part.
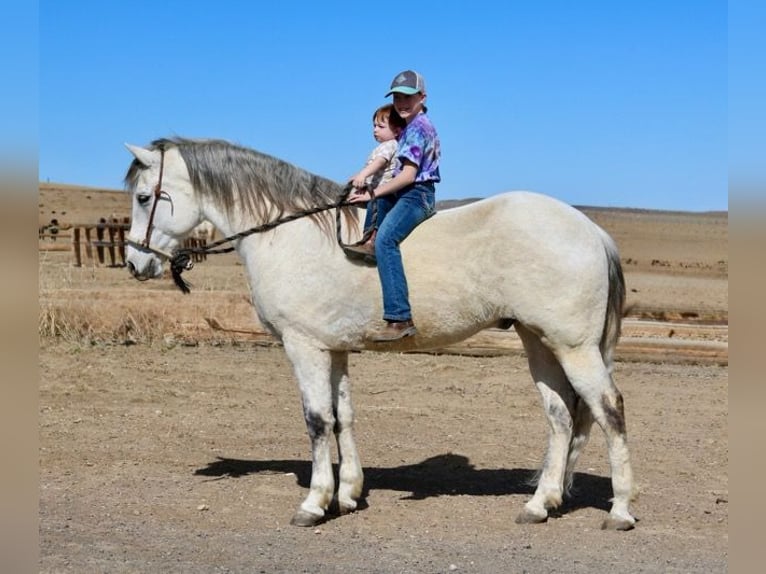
(601, 103)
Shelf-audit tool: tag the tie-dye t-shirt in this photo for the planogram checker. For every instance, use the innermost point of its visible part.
(419, 144)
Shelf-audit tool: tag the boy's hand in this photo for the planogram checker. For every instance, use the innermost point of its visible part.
(359, 195)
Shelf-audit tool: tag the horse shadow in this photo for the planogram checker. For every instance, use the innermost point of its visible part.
(442, 475)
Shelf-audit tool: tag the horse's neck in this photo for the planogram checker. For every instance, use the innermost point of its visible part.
(221, 220)
(298, 234)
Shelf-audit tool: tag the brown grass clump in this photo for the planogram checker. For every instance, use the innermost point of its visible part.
(87, 305)
(81, 324)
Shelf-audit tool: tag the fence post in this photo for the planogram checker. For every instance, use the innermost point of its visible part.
(76, 246)
(112, 258)
(121, 246)
(100, 241)
(88, 245)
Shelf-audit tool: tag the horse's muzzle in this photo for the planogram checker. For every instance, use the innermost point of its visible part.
(134, 272)
(151, 271)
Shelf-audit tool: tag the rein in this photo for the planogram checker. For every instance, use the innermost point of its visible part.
(182, 259)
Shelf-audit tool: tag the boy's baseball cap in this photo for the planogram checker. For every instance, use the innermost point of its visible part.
(408, 82)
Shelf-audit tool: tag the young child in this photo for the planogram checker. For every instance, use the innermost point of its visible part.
(379, 169)
(406, 200)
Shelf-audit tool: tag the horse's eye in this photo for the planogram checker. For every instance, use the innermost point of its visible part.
(143, 198)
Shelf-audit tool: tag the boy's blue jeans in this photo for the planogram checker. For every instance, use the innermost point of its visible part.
(398, 214)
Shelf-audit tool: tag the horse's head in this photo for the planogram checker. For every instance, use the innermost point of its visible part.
(165, 208)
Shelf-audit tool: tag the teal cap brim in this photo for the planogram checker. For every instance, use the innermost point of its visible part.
(403, 90)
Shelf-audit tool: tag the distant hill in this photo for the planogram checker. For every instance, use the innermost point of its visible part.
(79, 204)
(75, 204)
(450, 203)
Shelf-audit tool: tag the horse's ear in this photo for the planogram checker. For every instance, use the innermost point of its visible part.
(144, 156)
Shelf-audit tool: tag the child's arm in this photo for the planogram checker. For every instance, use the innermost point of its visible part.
(358, 180)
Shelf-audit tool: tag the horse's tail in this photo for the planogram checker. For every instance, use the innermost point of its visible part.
(615, 301)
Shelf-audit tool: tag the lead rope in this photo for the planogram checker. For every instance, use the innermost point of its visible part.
(182, 259)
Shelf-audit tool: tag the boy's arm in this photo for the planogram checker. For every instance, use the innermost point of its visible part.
(400, 181)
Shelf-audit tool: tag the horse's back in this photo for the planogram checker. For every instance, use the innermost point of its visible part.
(514, 226)
(520, 211)
(518, 255)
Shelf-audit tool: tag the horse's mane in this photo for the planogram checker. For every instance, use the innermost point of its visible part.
(265, 186)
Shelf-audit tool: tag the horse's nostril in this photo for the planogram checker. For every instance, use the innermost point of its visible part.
(131, 268)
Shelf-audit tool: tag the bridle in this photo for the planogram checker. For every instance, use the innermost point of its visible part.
(158, 193)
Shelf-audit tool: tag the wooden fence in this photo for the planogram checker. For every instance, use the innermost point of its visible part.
(102, 243)
(99, 240)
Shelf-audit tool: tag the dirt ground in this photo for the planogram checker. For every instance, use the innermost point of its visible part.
(188, 452)
(193, 459)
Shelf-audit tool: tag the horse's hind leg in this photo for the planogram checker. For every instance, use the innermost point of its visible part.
(591, 380)
(351, 477)
(581, 427)
(558, 403)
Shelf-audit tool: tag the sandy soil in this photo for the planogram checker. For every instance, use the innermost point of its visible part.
(188, 453)
(193, 459)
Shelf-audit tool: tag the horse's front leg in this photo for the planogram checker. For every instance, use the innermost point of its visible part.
(312, 367)
(351, 477)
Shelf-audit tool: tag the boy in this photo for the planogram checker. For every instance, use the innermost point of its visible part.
(406, 200)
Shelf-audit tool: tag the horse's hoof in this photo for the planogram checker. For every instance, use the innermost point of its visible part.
(527, 517)
(347, 508)
(303, 518)
(617, 523)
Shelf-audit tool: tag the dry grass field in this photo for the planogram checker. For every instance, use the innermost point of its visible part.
(171, 435)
